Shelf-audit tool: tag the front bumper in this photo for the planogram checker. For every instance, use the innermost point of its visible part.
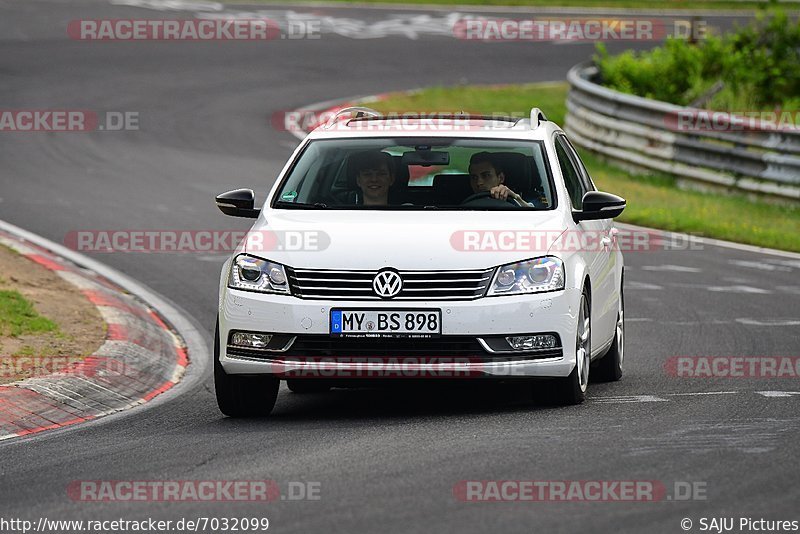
(554, 312)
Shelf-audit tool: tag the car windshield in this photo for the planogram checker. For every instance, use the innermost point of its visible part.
(423, 173)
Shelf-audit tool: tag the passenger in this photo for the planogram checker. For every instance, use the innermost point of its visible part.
(374, 176)
(485, 175)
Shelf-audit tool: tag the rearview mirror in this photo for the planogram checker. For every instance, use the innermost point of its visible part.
(599, 205)
(426, 158)
(238, 203)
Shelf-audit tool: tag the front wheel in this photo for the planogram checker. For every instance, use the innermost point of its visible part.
(243, 396)
(609, 368)
(572, 389)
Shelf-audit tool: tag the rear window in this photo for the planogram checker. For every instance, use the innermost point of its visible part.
(425, 173)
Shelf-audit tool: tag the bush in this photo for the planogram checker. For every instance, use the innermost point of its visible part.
(758, 66)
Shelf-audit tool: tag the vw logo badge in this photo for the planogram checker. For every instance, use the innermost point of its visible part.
(387, 284)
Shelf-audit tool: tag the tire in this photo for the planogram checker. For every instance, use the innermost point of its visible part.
(571, 390)
(609, 368)
(243, 396)
(307, 386)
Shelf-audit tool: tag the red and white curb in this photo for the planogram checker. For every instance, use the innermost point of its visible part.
(140, 358)
(322, 111)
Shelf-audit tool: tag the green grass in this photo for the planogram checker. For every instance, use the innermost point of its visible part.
(17, 316)
(514, 100)
(653, 200)
(638, 4)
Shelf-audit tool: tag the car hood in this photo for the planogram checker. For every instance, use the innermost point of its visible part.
(405, 240)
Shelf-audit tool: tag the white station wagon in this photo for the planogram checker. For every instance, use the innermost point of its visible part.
(413, 248)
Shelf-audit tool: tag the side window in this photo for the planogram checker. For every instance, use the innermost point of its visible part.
(587, 181)
(572, 178)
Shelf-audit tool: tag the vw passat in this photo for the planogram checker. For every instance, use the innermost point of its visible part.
(478, 248)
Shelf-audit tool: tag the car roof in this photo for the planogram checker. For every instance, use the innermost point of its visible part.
(366, 123)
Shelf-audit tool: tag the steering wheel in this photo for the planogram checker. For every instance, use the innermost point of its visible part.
(484, 196)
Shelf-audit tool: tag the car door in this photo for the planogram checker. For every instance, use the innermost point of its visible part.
(598, 255)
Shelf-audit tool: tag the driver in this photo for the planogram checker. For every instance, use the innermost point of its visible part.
(485, 175)
(374, 176)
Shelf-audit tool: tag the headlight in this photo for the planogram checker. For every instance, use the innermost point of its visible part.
(533, 276)
(254, 274)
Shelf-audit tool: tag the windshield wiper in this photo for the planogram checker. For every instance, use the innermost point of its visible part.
(315, 205)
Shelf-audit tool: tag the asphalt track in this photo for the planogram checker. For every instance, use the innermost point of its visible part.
(386, 460)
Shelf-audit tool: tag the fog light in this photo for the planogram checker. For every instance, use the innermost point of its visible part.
(544, 341)
(250, 340)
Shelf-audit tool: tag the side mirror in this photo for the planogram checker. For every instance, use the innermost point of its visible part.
(599, 205)
(238, 203)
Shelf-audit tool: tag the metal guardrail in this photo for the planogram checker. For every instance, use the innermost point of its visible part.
(645, 133)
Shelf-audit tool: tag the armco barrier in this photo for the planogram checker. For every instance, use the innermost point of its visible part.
(643, 132)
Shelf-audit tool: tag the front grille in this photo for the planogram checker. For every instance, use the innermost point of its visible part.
(417, 285)
(321, 345)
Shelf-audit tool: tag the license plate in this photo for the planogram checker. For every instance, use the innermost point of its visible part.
(386, 323)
